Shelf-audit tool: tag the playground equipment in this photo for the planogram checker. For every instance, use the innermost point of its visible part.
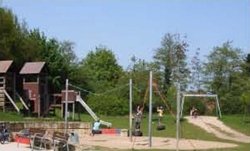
(160, 125)
(35, 86)
(8, 86)
(89, 110)
(71, 97)
(160, 94)
(184, 95)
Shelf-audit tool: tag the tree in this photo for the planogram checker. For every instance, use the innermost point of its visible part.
(222, 63)
(100, 67)
(224, 72)
(196, 71)
(102, 72)
(171, 59)
(246, 66)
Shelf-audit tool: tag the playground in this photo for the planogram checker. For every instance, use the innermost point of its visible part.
(161, 128)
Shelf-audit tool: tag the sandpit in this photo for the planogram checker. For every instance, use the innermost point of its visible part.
(218, 128)
(123, 142)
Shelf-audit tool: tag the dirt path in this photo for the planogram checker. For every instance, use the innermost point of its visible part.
(218, 128)
(122, 142)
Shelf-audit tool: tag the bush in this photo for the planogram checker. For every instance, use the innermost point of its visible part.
(108, 105)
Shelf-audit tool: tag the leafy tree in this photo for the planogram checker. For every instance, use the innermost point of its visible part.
(196, 71)
(20, 44)
(246, 66)
(102, 72)
(171, 60)
(222, 63)
(100, 67)
(224, 71)
(245, 77)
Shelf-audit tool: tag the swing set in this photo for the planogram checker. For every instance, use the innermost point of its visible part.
(158, 92)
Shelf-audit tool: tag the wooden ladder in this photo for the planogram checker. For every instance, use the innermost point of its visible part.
(2, 99)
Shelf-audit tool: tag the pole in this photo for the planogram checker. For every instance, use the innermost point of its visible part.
(150, 110)
(178, 117)
(66, 107)
(130, 109)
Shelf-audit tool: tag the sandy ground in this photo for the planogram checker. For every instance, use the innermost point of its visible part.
(123, 142)
(210, 124)
(14, 147)
(213, 125)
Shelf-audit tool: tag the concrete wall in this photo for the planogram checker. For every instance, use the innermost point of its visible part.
(81, 128)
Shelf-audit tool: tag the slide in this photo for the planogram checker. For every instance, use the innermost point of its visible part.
(89, 110)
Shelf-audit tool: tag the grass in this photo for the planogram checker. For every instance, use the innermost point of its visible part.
(237, 122)
(187, 130)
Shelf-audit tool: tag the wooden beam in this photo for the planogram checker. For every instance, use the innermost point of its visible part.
(13, 103)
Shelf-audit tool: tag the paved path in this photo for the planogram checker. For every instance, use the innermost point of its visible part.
(219, 129)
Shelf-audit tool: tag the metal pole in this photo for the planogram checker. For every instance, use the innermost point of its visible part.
(178, 117)
(150, 110)
(73, 116)
(218, 105)
(130, 109)
(182, 104)
(66, 107)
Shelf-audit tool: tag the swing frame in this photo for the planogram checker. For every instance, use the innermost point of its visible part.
(184, 95)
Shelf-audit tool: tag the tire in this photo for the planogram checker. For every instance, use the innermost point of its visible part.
(137, 133)
(161, 127)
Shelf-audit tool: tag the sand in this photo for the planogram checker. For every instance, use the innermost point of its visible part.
(219, 129)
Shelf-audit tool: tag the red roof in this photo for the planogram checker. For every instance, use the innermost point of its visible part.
(32, 68)
(5, 65)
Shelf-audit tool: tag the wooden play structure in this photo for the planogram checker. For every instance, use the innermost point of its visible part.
(7, 85)
(35, 86)
(35, 93)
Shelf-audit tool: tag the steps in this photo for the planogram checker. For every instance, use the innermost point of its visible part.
(2, 99)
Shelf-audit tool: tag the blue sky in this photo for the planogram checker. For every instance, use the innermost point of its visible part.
(137, 27)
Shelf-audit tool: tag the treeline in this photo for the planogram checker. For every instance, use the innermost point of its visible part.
(104, 83)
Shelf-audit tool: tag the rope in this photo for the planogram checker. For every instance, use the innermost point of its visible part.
(98, 94)
(81, 89)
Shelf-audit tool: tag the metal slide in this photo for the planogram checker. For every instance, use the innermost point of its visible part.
(89, 110)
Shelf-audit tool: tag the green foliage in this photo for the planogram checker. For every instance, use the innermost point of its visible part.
(102, 73)
(20, 44)
(101, 66)
(170, 59)
(224, 71)
(108, 104)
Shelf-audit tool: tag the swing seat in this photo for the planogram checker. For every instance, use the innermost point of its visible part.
(161, 127)
(137, 133)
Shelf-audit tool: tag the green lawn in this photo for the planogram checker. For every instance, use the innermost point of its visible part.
(237, 122)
